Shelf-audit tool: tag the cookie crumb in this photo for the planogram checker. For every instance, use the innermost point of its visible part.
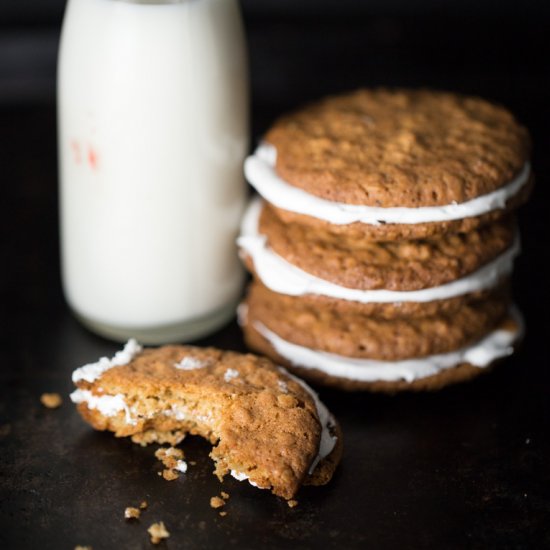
(143, 505)
(51, 400)
(172, 458)
(158, 532)
(217, 502)
(169, 456)
(292, 503)
(224, 495)
(192, 462)
(223, 513)
(170, 475)
(132, 513)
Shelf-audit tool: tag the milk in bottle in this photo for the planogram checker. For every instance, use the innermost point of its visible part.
(153, 130)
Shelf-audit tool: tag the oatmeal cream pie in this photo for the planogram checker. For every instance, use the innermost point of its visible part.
(416, 373)
(418, 271)
(393, 265)
(392, 164)
(268, 426)
(351, 333)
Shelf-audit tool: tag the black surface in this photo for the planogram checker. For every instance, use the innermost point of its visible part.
(467, 467)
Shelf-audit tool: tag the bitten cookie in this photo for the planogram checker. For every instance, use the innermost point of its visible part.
(268, 426)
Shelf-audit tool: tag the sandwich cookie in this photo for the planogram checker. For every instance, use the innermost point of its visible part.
(393, 164)
(267, 426)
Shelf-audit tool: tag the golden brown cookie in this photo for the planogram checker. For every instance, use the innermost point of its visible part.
(397, 231)
(407, 148)
(394, 310)
(268, 426)
(394, 265)
(427, 374)
(351, 333)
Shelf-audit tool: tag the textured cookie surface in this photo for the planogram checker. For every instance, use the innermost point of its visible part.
(460, 372)
(394, 310)
(399, 148)
(269, 427)
(395, 265)
(353, 334)
(399, 231)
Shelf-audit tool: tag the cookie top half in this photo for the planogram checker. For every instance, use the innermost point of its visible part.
(399, 148)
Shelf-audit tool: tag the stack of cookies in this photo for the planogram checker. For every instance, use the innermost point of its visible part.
(383, 242)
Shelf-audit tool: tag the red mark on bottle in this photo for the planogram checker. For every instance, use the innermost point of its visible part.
(77, 154)
(92, 158)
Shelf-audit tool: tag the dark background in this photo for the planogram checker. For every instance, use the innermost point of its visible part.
(467, 467)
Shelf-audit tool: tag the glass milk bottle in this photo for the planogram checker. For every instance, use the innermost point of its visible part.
(153, 130)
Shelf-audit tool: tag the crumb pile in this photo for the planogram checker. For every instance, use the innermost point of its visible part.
(268, 427)
(383, 241)
(219, 502)
(172, 458)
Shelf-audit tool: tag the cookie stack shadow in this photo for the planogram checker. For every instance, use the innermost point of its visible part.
(382, 241)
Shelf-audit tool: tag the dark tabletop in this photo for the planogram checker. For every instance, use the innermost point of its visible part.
(467, 467)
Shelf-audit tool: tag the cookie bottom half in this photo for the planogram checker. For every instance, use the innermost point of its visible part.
(416, 374)
(352, 332)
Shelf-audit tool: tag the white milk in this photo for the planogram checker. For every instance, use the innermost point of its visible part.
(153, 130)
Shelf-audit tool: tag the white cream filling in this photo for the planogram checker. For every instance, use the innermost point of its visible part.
(495, 345)
(239, 476)
(283, 277)
(180, 413)
(260, 172)
(107, 405)
(93, 371)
